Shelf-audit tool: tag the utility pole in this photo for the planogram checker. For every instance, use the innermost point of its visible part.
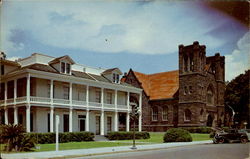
(133, 115)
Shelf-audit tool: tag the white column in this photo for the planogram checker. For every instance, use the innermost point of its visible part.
(6, 122)
(28, 88)
(51, 119)
(140, 112)
(87, 120)
(15, 115)
(102, 97)
(5, 93)
(51, 91)
(128, 116)
(116, 113)
(128, 103)
(28, 118)
(116, 121)
(70, 93)
(127, 121)
(87, 95)
(15, 90)
(70, 120)
(102, 122)
(87, 111)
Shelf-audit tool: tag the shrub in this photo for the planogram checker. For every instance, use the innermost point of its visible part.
(14, 138)
(122, 135)
(177, 135)
(47, 138)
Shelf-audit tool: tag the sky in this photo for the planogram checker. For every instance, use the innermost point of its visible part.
(142, 35)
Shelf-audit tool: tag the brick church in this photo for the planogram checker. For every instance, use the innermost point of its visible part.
(189, 97)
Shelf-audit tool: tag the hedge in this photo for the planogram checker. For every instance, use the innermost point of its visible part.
(47, 138)
(202, 130)
(177, 135)
(122, 135)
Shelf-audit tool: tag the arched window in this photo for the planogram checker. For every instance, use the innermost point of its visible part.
(165, 113)
(154, 114)
(187, 115)
(210, 95)
(201, 112)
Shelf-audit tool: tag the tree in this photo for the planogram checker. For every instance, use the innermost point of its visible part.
(237, 96)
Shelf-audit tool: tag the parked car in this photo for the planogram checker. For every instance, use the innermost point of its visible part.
(233, 135)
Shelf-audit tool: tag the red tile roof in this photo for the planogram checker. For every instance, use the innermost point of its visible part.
(159, 85)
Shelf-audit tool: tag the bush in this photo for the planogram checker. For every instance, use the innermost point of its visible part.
(14, 138)
(177, 135)
(47, 138)
(122, 135)
(202, 130)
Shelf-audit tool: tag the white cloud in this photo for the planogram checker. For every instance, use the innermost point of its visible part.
(13, 58)
(153, 28)
(238, 61)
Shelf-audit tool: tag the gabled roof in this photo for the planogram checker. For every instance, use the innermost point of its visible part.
(56, 60)
(159, 85)
(108, 71)
(41, 67)
(8, 62)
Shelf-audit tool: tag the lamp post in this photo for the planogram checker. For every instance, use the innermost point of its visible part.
(134, 112)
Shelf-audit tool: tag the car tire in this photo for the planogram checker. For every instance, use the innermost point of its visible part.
(244, 140)
(221, 140)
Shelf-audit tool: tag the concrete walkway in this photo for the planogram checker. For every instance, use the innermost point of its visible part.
(96, 151)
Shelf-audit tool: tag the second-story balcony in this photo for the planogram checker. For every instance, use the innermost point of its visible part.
(60, 102)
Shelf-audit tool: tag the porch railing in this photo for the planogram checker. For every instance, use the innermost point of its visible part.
(11, 100)
(122, 106)
(109, 105)
(94, 104)
(61, 101)
(78, 102)
(40, 99)
(21, 99)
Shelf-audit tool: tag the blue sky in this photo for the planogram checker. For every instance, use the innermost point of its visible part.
(140, 35)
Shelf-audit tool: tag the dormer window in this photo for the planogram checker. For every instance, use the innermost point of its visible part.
(116, 78)
(65, 67)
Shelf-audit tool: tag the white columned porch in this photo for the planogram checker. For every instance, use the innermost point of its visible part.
(28, 118)
(102, 122)
(15, 115)
(102, 111)
(51, 106)
(128, 116)
(87, 111)
(6, 121)
(140, 113)
(116, 114)
(51, 119)
(71, 109)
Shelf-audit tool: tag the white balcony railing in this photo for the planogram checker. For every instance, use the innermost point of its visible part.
(1, 102)
(21, 99)
(122, 106)
(61, 101)
(78, 102)
(40, 99)
(9, 101)
(109, 105)
(94, 104)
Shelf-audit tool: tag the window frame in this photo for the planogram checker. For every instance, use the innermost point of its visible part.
(165, 114)
(185, 115)
(154, 115)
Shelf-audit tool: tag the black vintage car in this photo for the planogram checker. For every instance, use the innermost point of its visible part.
(233, 135)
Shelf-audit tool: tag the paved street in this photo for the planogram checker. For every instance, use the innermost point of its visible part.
(209, 151)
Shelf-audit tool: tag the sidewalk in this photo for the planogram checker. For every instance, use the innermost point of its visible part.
(96, 151)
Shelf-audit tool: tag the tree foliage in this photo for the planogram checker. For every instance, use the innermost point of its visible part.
(237, 96)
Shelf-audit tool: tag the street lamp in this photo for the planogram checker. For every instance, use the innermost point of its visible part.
(134, 113)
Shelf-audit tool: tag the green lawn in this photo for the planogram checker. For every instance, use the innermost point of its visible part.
(155, 137)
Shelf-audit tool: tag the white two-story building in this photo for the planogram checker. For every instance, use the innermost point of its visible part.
(35, 89)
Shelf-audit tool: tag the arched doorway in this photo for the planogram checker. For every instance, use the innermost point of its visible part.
(210, 120)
